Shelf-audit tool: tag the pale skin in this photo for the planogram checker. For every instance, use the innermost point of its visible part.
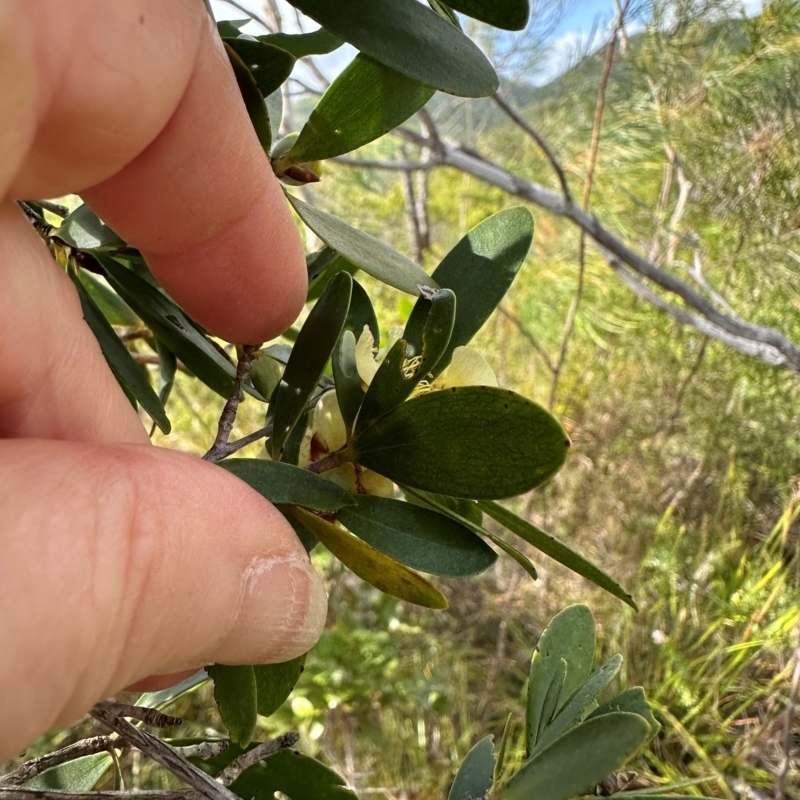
(120, 561)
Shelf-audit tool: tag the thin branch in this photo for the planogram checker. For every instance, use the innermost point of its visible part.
(149, 716)
(526, 334)
(163, 754)
(514, 115)
(766, 344)
(203, 750)
(228, 416)
(258, 753)
(30, 769)
(25, 793)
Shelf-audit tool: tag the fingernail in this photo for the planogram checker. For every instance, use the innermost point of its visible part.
(281, 614)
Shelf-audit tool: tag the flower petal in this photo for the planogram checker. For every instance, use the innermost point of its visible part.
(365, 356)
(467, 368)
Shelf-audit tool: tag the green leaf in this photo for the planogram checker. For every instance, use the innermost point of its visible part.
(555, 690)
(467, 509)
(556, 549)
(634, 701)
(112, 306)
(569, 637)
(409, 38)
(167, 369)
(512, 551)
(310, 353)
(270, 66)
(235, 696)
(307, 539)
(579, 760)
(371, 565)
(172, 326)
(467, 441)
(252, 96)
(231, 28)
(511, 15)
(576, 705)
(479, 269)
(84, 230)
(417, 537)
(79, 775)
(366, 101)
(475, 775)
(275, 110)
(499, 767)
(397, 377)
(119, 359)
(265, 373)
(293, 774)
(349, 392)
(316, 43)
(363, 250)
(165, 697)
(286, 484)
(324, 269)
(275, 683)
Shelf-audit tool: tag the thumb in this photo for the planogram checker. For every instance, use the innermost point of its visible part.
(122, 561)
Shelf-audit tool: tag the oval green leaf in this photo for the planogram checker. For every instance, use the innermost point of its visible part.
(510, 15)
(556, 549)
(371, 565)
(310, 353)
(79, 775)
(295, 775)
(112, 306)
(475, 775)
(286, 484)
(634, 701)
(84, 230)
(363, 250)
(417, 537)
(479, 269)
(409, 38)
(568, 637)
(269, 65)
(235, 696)
(579, 760)
(468, 441)
(317, 43)
(366, 101)
(274, 683)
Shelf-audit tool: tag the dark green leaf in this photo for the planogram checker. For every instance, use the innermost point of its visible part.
(125, 369)
(79, 775)
(112, 306)
(288, 485)
(366, 101)
(235, 696)
(512, 551)
(511, 15)
(634, 701)
(556, 549)
(568, 638)
(275, 683)
(307, 539)
(316, 43)
(572, 711)
(468, 441)
(474, 777)
(499, 766)
(349, 392)
(371, 565)
(479, 269)
(409, 38)
(467, 509)
(295, 775)
(171, 326)
(363, 250)
(398, 375)
(310, 353)
(84, 230)
(253, 99)
(167, 369)
(231, 28)
(321, 279)
(270, 66)
(579, 760)
(443, 10)
(417, 537)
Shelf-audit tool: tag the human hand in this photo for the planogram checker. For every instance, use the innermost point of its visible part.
(120, 560)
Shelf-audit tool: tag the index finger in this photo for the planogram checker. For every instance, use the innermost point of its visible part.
(149, 125)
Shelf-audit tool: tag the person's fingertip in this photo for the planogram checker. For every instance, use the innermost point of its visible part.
(281, 615)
